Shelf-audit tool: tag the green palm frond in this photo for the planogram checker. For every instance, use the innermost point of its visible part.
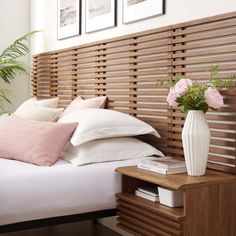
(4, 94)
(18, 48)
(10, 68)
(9, 63)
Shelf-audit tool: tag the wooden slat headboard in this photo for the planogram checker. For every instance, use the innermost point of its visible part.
(125, 69)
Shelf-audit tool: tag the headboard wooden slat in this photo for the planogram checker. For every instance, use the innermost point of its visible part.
(125, 69)
(202, 45)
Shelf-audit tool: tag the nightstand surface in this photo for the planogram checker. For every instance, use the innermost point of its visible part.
(177, 181)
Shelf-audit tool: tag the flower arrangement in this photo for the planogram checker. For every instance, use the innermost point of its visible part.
(189, 95)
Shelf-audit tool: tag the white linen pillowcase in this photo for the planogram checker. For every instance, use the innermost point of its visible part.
(50, 103)
(101, 123)
(103, 150)
(38, 113)
(79, 104)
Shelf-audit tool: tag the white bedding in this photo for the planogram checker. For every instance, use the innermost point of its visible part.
(29, 192)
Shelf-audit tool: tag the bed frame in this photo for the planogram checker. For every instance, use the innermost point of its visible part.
(57, 220)
(126, 69)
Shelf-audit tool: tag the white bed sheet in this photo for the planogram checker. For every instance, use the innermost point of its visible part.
(29, 192)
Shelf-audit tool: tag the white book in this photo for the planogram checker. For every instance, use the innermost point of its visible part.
(151, 190)
(161, 170)
(146, 196)
(164, 162)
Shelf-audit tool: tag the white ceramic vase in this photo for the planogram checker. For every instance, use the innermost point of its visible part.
(196, 141)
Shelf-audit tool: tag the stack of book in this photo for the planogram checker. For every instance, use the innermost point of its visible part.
(163, 165)
(149, 192)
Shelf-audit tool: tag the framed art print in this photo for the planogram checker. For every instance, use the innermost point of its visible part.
(134, 10)
(100, 14)
(68, 18)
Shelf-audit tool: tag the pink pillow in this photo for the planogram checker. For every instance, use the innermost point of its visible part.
(79, 104)
(34, 142)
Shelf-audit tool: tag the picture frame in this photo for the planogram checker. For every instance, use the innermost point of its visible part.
(68, 18)
(100, 14)
(136, 10)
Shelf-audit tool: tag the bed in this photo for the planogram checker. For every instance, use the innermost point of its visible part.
(125, 69)
(62, 189)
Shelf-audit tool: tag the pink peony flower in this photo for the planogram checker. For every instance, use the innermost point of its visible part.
(213, 98)
(182, 85)
(171, 98)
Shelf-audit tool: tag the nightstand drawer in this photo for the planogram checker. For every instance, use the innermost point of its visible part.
(143, 217)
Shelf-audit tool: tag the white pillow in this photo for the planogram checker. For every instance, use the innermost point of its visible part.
(102, 123)
(51, 102)
(103, 150)
(4, 116)
(37, 112)
(79, 104)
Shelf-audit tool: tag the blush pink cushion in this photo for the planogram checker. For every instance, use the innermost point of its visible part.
(34, 142)
(79, 104)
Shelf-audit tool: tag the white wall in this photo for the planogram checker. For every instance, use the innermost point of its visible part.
(15, 22)
(44, 16)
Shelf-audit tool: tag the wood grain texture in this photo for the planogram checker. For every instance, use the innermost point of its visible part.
(125, 69)
(125, 206)
(123, 212)
(211, 210)
(227, 209)
(202, 211)
(154, 229)
(174, 181)
(175, 214)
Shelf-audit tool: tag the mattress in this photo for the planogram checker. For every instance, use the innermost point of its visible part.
(29, 192)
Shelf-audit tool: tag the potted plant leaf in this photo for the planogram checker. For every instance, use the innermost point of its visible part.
(10, 65)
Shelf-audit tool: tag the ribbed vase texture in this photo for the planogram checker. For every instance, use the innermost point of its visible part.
(196, 141)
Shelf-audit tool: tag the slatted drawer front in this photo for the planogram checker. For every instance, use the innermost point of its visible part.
(143, 217)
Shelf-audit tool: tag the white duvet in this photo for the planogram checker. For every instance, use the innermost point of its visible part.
(29, 192)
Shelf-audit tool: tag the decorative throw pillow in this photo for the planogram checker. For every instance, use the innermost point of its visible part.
(101, 123)
(51, 102)
(37, 112)
(103, 150)
(34, 142)
(79, 104)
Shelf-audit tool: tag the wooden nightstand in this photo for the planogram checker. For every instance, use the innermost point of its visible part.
(209, 204)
